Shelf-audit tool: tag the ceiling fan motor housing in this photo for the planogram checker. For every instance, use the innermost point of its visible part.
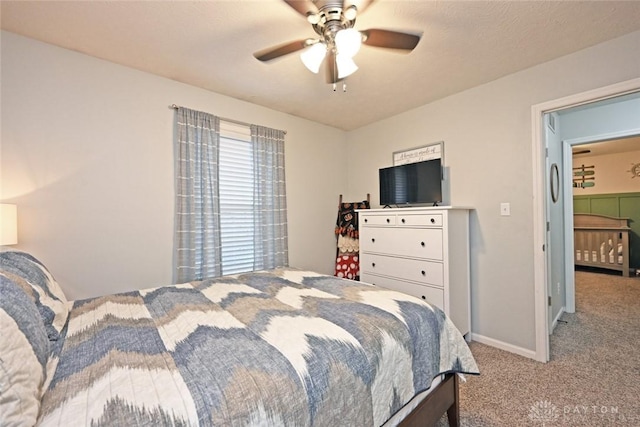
(331, 21)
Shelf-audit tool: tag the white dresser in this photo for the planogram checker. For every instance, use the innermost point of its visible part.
(422, 252)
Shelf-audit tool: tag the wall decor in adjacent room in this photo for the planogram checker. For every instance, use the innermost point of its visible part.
(584, 176)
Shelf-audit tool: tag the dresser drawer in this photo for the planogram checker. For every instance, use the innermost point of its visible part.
(419, 220)
(416, 243)
(433, 296)
(426, 272)
(369, 219)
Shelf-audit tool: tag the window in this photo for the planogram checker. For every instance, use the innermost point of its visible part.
(231, 211)
(236, 178)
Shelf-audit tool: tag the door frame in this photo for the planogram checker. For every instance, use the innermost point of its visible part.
(540, 267)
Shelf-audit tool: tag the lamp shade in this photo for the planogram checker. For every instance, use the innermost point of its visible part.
(8, 224)
(348, 42)
(314, 55)
(345, 65)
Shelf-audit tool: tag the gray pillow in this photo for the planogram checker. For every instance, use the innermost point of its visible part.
(50, 300)
(24, 350)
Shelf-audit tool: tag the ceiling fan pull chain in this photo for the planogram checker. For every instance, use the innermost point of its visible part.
(344, 86)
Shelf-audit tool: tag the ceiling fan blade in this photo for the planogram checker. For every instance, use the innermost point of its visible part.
(360, 5)
(390, 39)
(303, 7)
(332, 68)
(281, 50)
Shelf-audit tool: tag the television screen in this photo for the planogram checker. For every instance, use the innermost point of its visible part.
(411, 183)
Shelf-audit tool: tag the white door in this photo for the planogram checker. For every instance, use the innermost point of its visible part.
(555, 200)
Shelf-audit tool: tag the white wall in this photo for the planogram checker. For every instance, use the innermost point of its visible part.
(612, 173)
(87, 155)
(487, 143)
(600, 118)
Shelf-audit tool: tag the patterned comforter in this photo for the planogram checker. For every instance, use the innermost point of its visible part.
(283, 347)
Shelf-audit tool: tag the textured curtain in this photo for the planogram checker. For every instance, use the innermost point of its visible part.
(197, 237)
(270, 213)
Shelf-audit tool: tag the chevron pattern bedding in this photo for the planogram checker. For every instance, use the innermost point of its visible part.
(275, 348)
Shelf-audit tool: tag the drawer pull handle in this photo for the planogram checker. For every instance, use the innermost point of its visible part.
(366, 220)
(422, 244)
(373, 240)
(423, 272)
(373, 264)
(433, 220)
(423, 297)
(403, 220)
(388, 220)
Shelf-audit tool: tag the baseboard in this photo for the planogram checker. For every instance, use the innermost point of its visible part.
(531, 354)
(555, 321)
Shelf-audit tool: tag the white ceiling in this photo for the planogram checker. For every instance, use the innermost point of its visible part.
(209, 44)
(607, 147)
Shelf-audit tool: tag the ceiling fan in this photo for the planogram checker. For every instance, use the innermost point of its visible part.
(338, 41)
(578, 152)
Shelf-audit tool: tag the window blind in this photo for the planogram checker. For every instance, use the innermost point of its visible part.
(236, 178)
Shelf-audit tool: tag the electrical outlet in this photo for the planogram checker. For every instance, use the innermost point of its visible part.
(505, 209)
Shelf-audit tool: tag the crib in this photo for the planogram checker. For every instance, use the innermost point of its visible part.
(601, 241)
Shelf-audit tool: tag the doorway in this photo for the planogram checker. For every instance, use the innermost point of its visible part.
(541, 219)
(623, 141)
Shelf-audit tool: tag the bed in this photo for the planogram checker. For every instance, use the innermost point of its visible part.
(601, 241)
(278, 347)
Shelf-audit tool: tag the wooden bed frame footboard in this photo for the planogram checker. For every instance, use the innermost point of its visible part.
(601, 241)
(444, 398)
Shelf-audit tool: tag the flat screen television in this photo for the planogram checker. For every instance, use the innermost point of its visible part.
(412, 183)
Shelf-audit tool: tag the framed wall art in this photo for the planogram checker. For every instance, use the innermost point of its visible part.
(419, 154)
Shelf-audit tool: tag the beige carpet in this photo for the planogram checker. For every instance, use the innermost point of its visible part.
(593, 378)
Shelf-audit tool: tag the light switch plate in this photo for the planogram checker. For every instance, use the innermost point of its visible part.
(505, 209)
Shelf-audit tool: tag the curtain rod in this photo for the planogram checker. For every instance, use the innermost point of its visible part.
(238, 122)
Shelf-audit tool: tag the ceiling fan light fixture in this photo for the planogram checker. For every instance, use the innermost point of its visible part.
(346, 66)
(313, 56)
(348, 42)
